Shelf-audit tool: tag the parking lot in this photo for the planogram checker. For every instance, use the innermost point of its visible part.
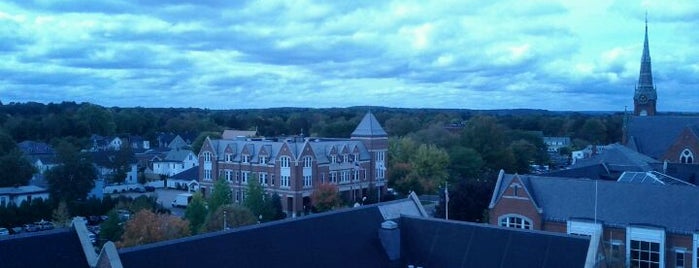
(164, 197)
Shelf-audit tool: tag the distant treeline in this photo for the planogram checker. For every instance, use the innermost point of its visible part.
(78, 121)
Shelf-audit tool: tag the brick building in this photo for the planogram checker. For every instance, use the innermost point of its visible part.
(639, 223)
(292, 167)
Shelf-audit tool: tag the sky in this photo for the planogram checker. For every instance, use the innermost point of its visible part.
(464, 54)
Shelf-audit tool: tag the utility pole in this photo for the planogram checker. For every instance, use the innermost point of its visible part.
(446, 200)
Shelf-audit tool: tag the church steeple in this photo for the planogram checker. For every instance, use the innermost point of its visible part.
(645, 97)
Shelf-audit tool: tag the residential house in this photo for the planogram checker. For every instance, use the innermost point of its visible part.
(641, 223)
(553, 144)
(19, 194)
(174, 162)
(293, 167)
(391, 234)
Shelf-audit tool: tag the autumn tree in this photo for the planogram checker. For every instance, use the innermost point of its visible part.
(419, 168)
(325, 197)
(147, 227)
(196, 212)
(234, 216)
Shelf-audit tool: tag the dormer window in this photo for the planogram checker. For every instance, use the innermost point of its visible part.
(333, 159)
(245, 158)
(263, 160)
(229, 157)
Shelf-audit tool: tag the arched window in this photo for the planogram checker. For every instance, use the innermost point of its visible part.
(515, 221)
(686, 157)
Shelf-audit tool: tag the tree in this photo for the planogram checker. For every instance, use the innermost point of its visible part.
(468, 200)
(111, 229)
(120, 163)
(15, 169)
(74, 177)
(220, 195)
(61, 215)
(196, 212)
(430, 167)
(326, 197)
(235, 216)
(256, 200)
(147, 227)
(276, 207)
(465, 163)
(199, 141)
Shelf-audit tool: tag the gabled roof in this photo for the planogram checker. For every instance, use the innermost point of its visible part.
(653, 135)
(369, 127)
(619, 158)
(178, 155)
(55, 248)
(618, 204)
(34, 147)
(187, 175)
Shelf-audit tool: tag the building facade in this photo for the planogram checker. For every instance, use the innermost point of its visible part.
(637, 224)
(293, 167)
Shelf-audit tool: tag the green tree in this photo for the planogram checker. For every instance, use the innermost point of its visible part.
(326, 197)
(199, 141)
(120, 163)
(276, 205)
(74, 177)
(196, 212)
(111, 229)
(97, 119)
(15, 169)
(465, 163)
(220, 195)
(234, 216)
(430, 167)
(256, 200)
(594, 131)
(61, 215)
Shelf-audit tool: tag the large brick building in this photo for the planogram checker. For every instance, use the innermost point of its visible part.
(641, 223)
(293, 167)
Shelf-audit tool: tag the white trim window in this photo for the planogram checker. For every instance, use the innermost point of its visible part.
(307, 181)
(229, 157)
(245, 159)
(207, 174)
(515, 221)
(229, 175)
(284, 161)
(263, 178)
(284, 181)
(246, 175)
(207, 157)
(263, 160)
(645, 247)
(686, 156)
(680, 258)
(307, 162)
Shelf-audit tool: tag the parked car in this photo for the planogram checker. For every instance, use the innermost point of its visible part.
(44, 225)
(4, 231)
(31, 228)
(149, 188)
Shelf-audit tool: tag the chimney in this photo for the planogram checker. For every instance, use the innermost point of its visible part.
(389, 234)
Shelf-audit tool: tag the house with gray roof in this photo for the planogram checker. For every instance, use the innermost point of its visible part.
(293, 166)
(639, 223)
(174, 162)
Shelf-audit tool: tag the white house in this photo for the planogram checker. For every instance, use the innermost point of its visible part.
(174, 162)
(17, 195)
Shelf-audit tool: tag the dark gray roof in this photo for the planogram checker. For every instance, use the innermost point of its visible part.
(369, 127)
(617, 157)
(653, 135)
(441, 243)
(618, 204)
(188, 175)
(55, 248)
(346, 238)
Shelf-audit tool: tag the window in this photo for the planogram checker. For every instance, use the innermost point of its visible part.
(263, 179)
(333, 177)
(284, 181)
(237, 196)
(207, 157)
(344, 176)
(307, 162)
(645, 254)
(679, 258)
(207, 174)
(263, 160)
(356, 175)
(284, 162)
(246, 159)
(307, 181)
(229, 157)
(272, 180)
(686, 157)
(229, 175)
(515, 222)
(246, 175)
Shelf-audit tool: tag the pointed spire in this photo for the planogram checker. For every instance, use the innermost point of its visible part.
(645, 78)
(369, 127)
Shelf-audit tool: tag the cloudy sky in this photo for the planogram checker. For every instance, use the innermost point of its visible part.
(220, 54)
